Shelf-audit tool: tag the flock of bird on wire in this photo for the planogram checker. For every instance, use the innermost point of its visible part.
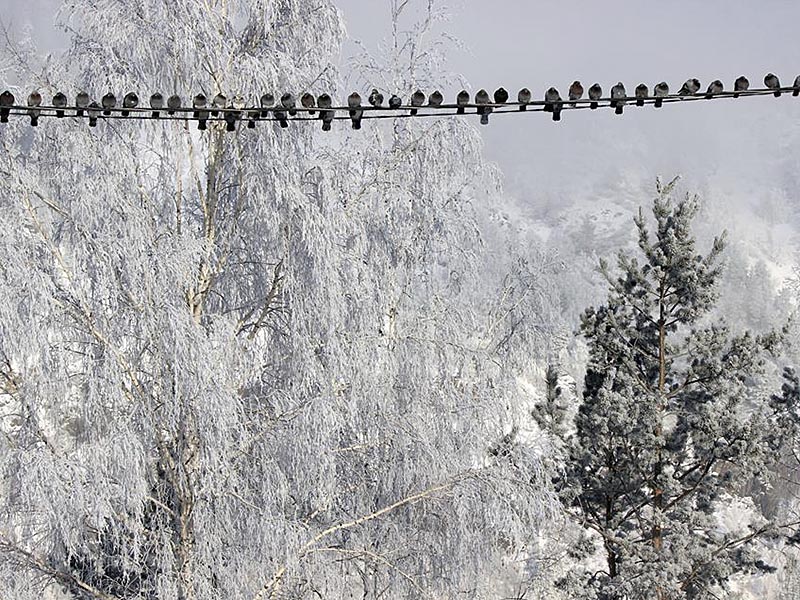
(221, 109)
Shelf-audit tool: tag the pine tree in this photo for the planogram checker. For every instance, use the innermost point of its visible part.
(667, 431)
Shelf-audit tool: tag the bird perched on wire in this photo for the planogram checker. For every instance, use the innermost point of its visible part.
(500, 96)
(131, 100)
(462, 99)
(231, 116)
(109, 101)
(554, 103)
(481, 99)
(173, 104)
(618, 95)
(156, 103)
(199, 103)
(6, 102)
(356, 113)
(252, 116)
(690, 87)
(267, 101)
(796, 87)
(219, 102)
(435, 99)
(714, 88)
(524, 98)
(324, 102)
(34, 101)
(81, 102)
(417, 99)
(742, 84)
(60, 103)
(395, 101)
(595, 93)
(659, 91)
(289, 103)
(94, 111)
(375, 98)
(772, 82)
(575, 92)
(307, 101)
(641, 92)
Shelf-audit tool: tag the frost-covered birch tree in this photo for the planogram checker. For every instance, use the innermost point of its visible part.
(247, 365)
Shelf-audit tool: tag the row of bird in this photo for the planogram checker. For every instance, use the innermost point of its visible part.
(287, 105)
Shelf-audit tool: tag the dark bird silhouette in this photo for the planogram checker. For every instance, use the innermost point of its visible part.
(462, 100)
(131, 100)
(554, 103)
(772, 82)
(500, 96)
(618, 95)
(595, 93)
(641, 92)
(482, 98)
(60, 103)
(690, 87)
(198, 104)
(742, 84)
(289, 103)
(231, 116)
(307, 101)
(219, 101)
(524, 97)
(34, 101)
(81, 102)
(323, 102)
(6, 102)
(267, 101)
(251, 118)
(108, 102)
(375, 98)
(173, 104)
(796, 87)
(661, 90)
(575, 92)
(280, 115)
(436, 99)
(156, 103)
(417, 99)
(94, 111)
(356, 113)
(714, 88)
(395, 101)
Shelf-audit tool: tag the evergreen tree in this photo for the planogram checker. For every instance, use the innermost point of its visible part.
(668, 430)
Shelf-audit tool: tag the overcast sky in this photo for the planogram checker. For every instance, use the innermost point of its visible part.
(743, 145)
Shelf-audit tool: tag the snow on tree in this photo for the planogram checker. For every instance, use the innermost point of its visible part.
(668, 431)
(253, 364)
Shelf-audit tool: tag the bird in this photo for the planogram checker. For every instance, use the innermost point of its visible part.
(595, 93)
(796, 87)
(156, 103)
(323, 102)
(500, 96)
(641, 92)
(34, 101)
(252, 116)
(618, 95)
(575, 92)
(60, 102)
(94, 111)
(435, 99)
(267, 101)
(230, 120)
(108, 102)
(280, 113)
(482, 98)
(462, 99)
(307, 101)
(395, 101)
(714, 88)
(417, 99)
(219, 102)
(198, 103)
(524, 97)
(173, 104)
(238, 102)
(554, 103)
(81, 102)
(131, 100)
(288, 101)
(6, 102)
(690, 87)
(772, 82)
(375, 98)
(740, 85)
(354, 103)
(660, 90)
